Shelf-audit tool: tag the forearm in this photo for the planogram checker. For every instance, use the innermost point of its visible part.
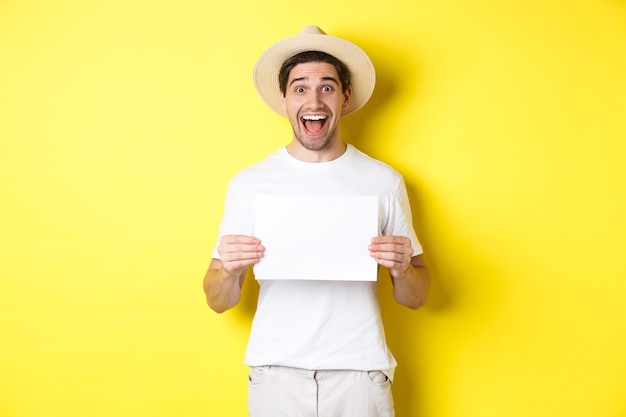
(222, 289)
(411, 287)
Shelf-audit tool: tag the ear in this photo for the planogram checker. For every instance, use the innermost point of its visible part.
(347, 98)
(283, 104)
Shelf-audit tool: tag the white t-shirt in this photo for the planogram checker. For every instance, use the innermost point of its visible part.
(319, 324)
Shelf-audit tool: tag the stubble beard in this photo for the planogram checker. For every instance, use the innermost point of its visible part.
(318, 143)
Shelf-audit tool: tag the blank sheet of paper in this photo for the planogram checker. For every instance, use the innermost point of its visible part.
(316, 237)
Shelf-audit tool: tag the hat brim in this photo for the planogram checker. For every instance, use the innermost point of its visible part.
(362, 70)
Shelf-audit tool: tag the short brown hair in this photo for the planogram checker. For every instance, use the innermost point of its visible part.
(313, 56)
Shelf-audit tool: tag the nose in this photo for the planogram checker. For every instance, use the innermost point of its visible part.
(314, 100)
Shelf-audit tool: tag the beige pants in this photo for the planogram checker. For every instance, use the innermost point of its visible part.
(276, 391)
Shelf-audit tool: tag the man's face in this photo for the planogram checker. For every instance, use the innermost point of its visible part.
(313, 102)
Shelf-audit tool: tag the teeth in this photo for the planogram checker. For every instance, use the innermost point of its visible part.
(314, 117)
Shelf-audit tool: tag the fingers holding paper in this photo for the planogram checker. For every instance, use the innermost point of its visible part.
(237, 252)
(223, 281)
(410, 277)
(393, 252)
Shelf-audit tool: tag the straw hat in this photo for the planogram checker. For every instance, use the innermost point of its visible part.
(312, 38)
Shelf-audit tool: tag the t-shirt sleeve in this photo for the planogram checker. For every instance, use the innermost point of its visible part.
(237, 218)
(400, 220)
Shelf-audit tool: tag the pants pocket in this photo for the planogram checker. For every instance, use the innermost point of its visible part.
(380, 394)
(378, 377)
(257, 374)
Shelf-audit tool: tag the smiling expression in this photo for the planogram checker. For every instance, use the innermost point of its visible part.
(313, 102)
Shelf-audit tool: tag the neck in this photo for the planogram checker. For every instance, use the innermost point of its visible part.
(327, 154)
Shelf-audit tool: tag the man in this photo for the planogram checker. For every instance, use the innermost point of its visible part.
(317, 347)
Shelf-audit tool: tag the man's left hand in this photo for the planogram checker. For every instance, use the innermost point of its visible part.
(393, 252)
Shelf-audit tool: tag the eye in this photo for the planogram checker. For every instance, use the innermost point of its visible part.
(299, 89)
(327, 88)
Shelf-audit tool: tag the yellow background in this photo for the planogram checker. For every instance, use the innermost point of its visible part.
(121, 122)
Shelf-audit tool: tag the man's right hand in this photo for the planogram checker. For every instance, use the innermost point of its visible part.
(223, 280)
(238, 252)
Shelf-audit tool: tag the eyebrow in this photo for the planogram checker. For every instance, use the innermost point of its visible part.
(333, 79)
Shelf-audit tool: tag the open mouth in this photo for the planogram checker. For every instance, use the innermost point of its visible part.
(313, 123)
